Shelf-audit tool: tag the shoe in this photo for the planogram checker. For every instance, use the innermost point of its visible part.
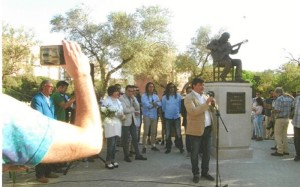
(276, 154)
(130, 155)
(259, 139)
(274, 148)
(144, 150)
(116, 165)
(223, 79)
(51, 175)
(297, 158)
(181, 150)
(208, 177)
(196, 178)
(43, 180)
(140, 157)
(109, 166)
(168, 151)
(127, 159)
(154, 149)
(162, 142)
(284, 153)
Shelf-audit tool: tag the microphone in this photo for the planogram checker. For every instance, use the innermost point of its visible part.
(212, 94)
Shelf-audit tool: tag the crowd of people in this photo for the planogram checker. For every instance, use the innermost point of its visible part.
(122, 117)
(130, 108)
(40, 139)
(271, 117)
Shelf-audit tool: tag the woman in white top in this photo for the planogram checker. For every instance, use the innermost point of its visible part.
(112, 113)
(258, 119)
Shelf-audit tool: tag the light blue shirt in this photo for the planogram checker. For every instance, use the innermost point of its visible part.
(171, 106)
(147, 107)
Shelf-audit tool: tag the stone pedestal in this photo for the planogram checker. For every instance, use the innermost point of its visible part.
(234, 103)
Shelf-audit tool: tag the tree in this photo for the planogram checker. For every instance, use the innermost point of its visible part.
(289, 76)
(128, 42)
(292, 59)
(195, 59)
(16, 50)
(23, 87)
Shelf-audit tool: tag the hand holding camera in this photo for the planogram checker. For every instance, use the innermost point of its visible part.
(69, 54)
(77, 64)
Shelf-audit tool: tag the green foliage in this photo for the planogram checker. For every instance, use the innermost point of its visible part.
(195, 60)
(289, 76)
(133, 42)
(16, 44)
(22, 87)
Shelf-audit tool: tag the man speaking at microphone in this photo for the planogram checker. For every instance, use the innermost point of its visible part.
(199, 107)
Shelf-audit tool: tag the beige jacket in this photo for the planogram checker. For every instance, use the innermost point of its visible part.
(129, 109)
(196, 114)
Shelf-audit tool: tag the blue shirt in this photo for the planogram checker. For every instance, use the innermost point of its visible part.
(171, 106)
(149, 110)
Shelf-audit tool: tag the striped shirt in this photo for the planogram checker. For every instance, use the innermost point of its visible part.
(296, 119)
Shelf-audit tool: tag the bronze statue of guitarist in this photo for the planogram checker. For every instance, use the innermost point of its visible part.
(220, 51)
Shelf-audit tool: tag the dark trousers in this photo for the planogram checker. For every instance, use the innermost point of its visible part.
(201, 143)
(173, 124)
(42, 170)
(111, 148)
(297, 141)
(126, 132)
(229, 64)
(187, 142)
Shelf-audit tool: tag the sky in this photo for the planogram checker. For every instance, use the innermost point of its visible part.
(271, 27)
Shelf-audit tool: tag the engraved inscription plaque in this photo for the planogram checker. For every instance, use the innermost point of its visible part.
(236, 103)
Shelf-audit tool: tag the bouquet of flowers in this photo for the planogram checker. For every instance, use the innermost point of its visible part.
(107, 112)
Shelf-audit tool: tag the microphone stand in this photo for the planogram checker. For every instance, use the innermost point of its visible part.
(71, 163)
(217, 147)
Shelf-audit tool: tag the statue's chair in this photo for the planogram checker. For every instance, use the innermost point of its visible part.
(217, 70)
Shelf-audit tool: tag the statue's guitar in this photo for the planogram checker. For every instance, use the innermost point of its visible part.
(219, 54)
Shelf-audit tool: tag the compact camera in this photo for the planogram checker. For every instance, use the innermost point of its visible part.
(52, 55)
